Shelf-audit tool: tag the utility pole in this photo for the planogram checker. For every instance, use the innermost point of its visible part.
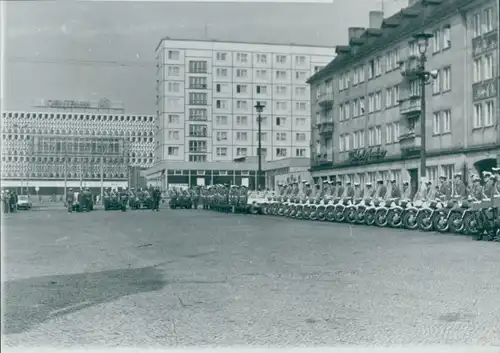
(260, 108)
(102, 175)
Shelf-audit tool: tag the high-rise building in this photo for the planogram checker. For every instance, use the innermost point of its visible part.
(366, 103)
(207, 91)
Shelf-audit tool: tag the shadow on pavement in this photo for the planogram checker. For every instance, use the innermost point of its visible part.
(30, 302)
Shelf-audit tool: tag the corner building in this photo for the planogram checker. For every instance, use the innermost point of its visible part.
(207, 91)
(366, 108)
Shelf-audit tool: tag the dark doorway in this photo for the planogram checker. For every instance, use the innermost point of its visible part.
(485, 165)
(413, 181)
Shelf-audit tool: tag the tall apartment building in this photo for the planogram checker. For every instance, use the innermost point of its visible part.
(207, 91)
(366, 104)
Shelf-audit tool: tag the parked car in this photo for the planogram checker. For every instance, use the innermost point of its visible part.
(24, 202)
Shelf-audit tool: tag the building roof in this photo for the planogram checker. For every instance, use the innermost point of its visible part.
(395, 28)
(241, 42)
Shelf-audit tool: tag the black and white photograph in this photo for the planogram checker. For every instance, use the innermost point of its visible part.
(252, 173)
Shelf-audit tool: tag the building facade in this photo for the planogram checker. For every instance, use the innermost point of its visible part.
(49, 150)
(366, 104)
(207, 91)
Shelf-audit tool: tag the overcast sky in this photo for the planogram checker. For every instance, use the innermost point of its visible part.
(87, 50)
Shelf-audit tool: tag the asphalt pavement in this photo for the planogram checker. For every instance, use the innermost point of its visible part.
(200, 278)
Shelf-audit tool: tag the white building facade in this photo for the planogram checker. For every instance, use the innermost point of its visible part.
(206, 93)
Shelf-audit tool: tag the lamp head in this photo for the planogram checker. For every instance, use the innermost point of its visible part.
(422, 41)
(259, 107)
(434, 73)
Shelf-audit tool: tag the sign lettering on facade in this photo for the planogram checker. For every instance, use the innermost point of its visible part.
(103, 103)
(488, 42)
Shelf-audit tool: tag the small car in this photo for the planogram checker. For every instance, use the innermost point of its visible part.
(24, 202)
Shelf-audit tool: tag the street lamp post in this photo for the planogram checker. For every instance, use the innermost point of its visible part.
(425, 78)
(259, 108)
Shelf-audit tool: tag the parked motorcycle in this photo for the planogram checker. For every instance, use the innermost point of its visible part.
(397, 212)
(383, 212)
(482, 221)
(361, 209)
(440, 221)
(426, 215)
(351, 210)
(330, 209)
(340, 209)
(409, 217)
(371, 211)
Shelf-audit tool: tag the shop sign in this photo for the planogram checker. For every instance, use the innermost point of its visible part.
(484, 90)
(68, 104)
(367, 155)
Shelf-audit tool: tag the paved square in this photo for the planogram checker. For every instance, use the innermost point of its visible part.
(194, 277)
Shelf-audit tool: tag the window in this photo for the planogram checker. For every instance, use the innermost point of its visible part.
(221, 120)
(281, 105)
(241, 72)
(173, 119)
(173, 135)
(300, 121)
(197, 82)
(347, 110)
(242, 57)
(378, 135)
(446, 121)
(221, 135)
(432, 174)
(395, 95)
(448, 170)
(476, 25)
(221, 104)
(241, 88)
(415, 88)
(300, 91)
(477, 73)
(300, 60)
(341, 143)
(436, 85)
(361, 137)
(446, 37)
(362, 106)
(261, 74)
(361, 74)
(413, 48)
(280, 121)
(488, 67)
(197, 158)
(341, 112)
(301, 76)
(300, 106)
(436, 41)
(261, 58)
(446, 79)
(378, 66)
(197, 98)
(173, 151)
(221, 56)
(173, 54)
(241, 151)
(197, 130)
(241, 136)
(489, 113)
(242, 120)
(355, 140)
(198, 114)
(347, 140)
(261, 89)
(263, 136)
(371, 69)
(300, 136)
(242, 105)
(173, 103)
(300, 152)
(388, 97)
(436, 123)
(221, 151)
(280, 75)
(221, 72)
(173, 71)
(396, 132)
(281, 90)
(378, 100)
(280, 152)
(281, 136)
(478, 115)
(371, 103)
(388, 133)
(355, 108)
(198, 66)
(489, 21)
(281, 59)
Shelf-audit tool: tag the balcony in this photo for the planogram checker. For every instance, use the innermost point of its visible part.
(410, 67)
(198, 118)
(325, 127)
(325, 99)
(410, 144)
(322, 161)
(410, 106)
(198, 150)
(198, 134)
(198, 86)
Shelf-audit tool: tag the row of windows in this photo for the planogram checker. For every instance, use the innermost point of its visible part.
(483, 22)
(59, 175)
(441, 122)
(245, 58)
(243, 120)
(69, 116)
(86, 160)
(175, 135)
(483, 68)
(261, 89)
(240, 152)
(22, 133)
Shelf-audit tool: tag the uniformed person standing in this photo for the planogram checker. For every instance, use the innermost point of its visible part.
(431, 191)
(358, 192)
(395, 190)
(70, 199)
(476, 191)
(340, 189)
(489, 186)
(381, 189)
(459, 189)
(406, 193)
(444, 191)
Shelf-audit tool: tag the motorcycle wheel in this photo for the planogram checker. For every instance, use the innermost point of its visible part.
(351, 215)
(313, 216)
(330, 215)
(381, 218)
(410, 219)
(471, 226)
(440, 222)
(339, 215)
(394, 218)
(424, 220)
(370, 217)
(360, 216)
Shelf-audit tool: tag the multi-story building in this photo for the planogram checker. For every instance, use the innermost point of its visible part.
(49, 150)
(366, 103)
(207, 91)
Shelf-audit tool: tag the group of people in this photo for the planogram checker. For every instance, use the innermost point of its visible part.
(220, 197)
(82, 197)
(9, 201)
